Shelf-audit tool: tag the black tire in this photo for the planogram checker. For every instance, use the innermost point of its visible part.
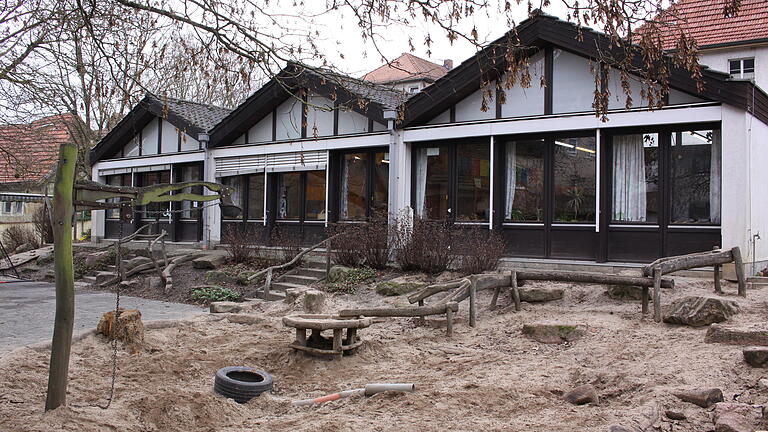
(241, 383)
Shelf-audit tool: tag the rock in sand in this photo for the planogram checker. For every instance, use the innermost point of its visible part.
(701, 397)
(756, 356)
(737, 417)
(582, 395)
(540, 294)
(225, 307)
(697, 311)
(314, 301)
(554, 333)
(209, 262)
(755, 334)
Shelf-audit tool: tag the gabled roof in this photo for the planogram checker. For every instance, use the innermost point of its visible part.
(345, 90)
(191, 118)
(707, 23)
(541, 30)
(405, 68)
(30, 151)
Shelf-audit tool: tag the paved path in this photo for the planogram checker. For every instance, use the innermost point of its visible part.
(27, 310)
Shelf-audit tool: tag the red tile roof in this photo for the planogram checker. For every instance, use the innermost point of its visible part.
(407, 67)
(28, 152)
(706, 22)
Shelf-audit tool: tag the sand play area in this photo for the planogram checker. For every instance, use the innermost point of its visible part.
(489, 378)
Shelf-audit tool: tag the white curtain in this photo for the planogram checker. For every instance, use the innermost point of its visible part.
(511, 179)
(629, 185)
(421, 180)
(715, 176)
(345, 190)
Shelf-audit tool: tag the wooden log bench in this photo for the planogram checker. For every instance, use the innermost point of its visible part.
(448, 309)
(318, 345)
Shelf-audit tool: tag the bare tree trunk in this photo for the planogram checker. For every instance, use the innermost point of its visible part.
(65, 280)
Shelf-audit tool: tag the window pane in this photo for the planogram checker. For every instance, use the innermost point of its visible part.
(749, 65)
(236, 184)
(525, 181)
(155, 210)
(315, 195)
(354, 175)
(574, 186)
(256, 196)
(696, 173)
(380, 182)
(188, 174)
(432, 182)
(288, 193)
(735, 67)
(474, 182)
(636, 178)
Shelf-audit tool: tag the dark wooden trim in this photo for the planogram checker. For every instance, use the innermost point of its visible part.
(141, 142)
(370, 124)
(335, 117)
(499, 179)
(499, 92)
(452, 114)
(549, 72)
(274, 124)
(304, 96)
(159, 135)
(606, 183)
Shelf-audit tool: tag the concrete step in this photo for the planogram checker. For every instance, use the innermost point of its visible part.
(298, 279)
(104, 276)
(89, 279)
(282, 286)
(313, 272)
(314, 264)
(274, 296)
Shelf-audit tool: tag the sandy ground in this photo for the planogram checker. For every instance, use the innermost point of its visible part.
(486, 378)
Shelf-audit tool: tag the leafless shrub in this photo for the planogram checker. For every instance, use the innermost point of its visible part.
(240, 242)
(477, 249)
(289, 244)
(423, 245)
(42, 223)
(17, 235)
(363, 243)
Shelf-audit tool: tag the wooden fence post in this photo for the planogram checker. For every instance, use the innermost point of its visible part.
(739, 264)
(515, 292)
(657, 294)
(61, 344)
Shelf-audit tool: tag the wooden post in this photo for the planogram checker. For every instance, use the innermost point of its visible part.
(422, 320)
(337, 340)
(448, 321)
(495, 298)
(472, 305)
(645, 300)
(657, 294)
(65, 279)
(301, 336)
(718, 285)
(351, 335)
(268, 284)
(739, 264)
(327, 257)
(515, 291)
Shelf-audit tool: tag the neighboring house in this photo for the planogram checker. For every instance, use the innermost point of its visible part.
(736, 44)
(541, 169)
(28, 156)
(408, 73)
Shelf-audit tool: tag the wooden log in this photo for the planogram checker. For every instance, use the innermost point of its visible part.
(351, 336)
(436, 309)
(718, 284)
(301, 336)
(686, 262)
(449, 319)
(431, 290)
(324, 322)
(645, 300)
(64, 318)
(458, 295)
(268, 284)
(472, 305)
(593, 278)
(657, 295)
(337, 339)
(422, 321)
(495, 298)
(648, 269)
(515, 291)
(739, 264)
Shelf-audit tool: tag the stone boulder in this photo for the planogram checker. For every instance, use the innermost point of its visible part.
(129, 284)
(314, 301)
(701, 397)
(24, 247)
(292, 295)
(338, 273)
(44, 258)
(626, 292)
(675, 414)
(225, 307)
(104, 276)
(737, 417)
(540, 294)
(209, 262)
(698, 311)
(216, 277)
(134, 262)
(396, 287)
(756, 356)
(755, 334)
(242, 277)
(93, 259)
(554, 333)
(154, 283)
(582, 395)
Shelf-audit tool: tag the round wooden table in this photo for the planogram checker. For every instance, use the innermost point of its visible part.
(316, 343)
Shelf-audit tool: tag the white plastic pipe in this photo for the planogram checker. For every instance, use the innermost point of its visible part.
(369, 390)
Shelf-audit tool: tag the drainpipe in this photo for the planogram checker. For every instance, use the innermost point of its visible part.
(396, 162)
(211, 229)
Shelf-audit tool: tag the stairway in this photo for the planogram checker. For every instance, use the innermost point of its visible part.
(301, 277)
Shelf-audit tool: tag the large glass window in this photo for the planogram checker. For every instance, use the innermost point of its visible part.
(117, 180)
(474, 182)
(635, 164)
(256, 196)
(315, 203)
(154, 210)
(354, 173)
(525, 181)
(574, 179)
(235, 183)
(288, 195)
(380, 182)
(695, 176)
(188, 174)
(432, 165)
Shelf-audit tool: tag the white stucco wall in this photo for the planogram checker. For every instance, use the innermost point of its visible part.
(757, 139)
(717, 59)
(735, 184)
(319, 116)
